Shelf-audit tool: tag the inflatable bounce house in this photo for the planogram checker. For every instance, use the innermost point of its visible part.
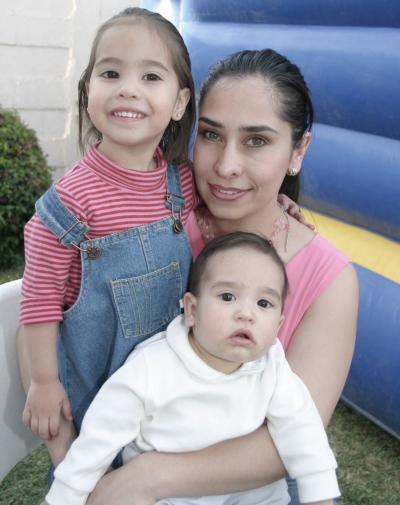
(349, 53)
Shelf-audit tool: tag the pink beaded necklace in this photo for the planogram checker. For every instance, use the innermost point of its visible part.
(281, 224)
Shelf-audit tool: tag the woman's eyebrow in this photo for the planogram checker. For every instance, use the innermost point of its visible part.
(258, 129)
(211, 122)
(247, 129)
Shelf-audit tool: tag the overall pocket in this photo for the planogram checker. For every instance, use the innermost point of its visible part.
(147, 303)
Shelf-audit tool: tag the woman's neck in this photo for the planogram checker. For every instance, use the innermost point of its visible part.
(264, 223)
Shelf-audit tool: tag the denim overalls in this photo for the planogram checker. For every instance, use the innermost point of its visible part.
(131, 285)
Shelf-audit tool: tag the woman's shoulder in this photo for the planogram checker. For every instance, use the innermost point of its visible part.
(310, 246)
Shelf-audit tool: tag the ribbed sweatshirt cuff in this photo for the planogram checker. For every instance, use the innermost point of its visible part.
(318, 487)
(61, 494)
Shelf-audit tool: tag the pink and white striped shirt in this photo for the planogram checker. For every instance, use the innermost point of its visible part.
(110, 199)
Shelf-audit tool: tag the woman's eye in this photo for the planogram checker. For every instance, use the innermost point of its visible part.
(209, 135)
(264, 303)
(256, 142)
(151, 77)
(227, 297)
(110, 74)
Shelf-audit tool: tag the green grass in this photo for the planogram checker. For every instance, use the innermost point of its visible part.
(26, 484)
(12, 273)
(368, 458)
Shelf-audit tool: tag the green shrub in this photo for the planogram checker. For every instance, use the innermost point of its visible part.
(24, 176)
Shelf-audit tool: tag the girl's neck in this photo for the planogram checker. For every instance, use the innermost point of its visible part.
(131, 158)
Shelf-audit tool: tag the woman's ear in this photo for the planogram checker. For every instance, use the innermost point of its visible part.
(298, 154)
(189, 307)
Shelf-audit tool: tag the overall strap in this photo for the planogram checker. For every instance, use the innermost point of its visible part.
(60, 220)
(174, 200)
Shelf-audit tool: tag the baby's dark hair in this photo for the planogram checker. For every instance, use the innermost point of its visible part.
(176, 138)
(232, 241)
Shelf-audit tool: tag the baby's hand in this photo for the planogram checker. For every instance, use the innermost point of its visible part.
(293, 210)
(44, 404)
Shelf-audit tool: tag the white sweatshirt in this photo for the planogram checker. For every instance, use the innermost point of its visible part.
(165, 398)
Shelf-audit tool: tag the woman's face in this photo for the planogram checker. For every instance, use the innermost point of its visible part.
(243, 150)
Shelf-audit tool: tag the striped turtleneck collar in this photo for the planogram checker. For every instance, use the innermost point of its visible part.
(126, 178)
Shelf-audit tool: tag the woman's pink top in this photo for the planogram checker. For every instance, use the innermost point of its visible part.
(309, 272)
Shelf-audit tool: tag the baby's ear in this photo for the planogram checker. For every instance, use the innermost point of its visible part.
(189, 307)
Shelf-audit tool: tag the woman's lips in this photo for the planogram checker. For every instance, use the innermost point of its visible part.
(225, 193)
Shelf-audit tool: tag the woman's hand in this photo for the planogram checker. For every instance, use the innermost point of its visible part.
(293, 209)
(129, 485)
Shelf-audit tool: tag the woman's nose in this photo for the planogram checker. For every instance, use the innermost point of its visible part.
(228, 163)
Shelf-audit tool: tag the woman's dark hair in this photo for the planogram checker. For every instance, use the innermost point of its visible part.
(175, 141)
(233, 241)
(292, 96)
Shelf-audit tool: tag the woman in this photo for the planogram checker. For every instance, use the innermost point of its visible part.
(254, 130)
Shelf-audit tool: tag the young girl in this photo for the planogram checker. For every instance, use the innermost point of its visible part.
(107, 255)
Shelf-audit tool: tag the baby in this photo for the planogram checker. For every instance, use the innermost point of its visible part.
(216, 373)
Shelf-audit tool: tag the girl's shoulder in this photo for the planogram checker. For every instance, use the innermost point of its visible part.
(186, 169)
(71, 188)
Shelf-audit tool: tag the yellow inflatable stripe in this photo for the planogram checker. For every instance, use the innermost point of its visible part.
(366, 248)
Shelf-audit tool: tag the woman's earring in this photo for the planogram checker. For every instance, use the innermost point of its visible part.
(292, 171)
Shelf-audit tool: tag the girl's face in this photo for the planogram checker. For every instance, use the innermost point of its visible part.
(133, 93)
(243, 151)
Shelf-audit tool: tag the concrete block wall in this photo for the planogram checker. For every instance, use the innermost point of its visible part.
(44, 47)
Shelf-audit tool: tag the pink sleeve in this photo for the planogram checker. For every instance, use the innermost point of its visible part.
(194, 234)
(309, 272)
(47, 270)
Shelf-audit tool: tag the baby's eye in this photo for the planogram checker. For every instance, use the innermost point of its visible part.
(151, 77)
(110, 74)
(256, 142)
(227, 297)
(264, 303)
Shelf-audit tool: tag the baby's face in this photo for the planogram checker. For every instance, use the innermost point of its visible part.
(238, 312)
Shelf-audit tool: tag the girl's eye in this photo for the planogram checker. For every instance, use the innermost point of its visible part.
(209, 135)
(151, 77)
(256, 142)
(110, 74)
(264, 303)
(227, 297)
